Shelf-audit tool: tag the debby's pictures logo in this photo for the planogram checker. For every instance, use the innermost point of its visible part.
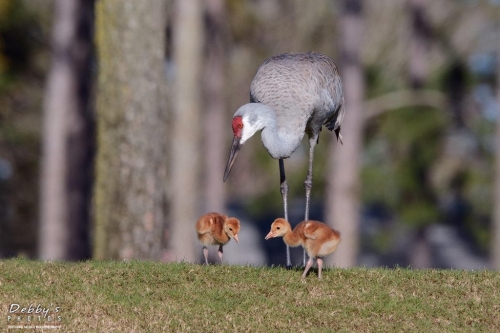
(34, 316)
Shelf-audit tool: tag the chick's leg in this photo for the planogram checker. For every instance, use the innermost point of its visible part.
(221, 253)
(320, 266)
(205, 253)
(308, 266)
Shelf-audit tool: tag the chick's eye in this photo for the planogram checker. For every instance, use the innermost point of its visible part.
(278, 228)
(230, 229)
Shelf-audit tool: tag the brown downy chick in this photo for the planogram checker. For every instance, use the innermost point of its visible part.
(317, 239)
(216, 229)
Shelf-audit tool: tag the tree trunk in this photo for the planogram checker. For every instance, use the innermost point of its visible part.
(67, 137)
(342, 207)
(216, 37)
(131, 164)
(186, 127)
(495, 238)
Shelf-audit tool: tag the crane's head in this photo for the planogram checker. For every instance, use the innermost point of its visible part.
(279, 228)
(232, 228)
(246, 122)
(238, 126)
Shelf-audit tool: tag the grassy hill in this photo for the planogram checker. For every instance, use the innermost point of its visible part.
(176, 297)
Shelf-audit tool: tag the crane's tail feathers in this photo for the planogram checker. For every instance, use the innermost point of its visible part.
(330, 123)
(334, 121)
(339, 136)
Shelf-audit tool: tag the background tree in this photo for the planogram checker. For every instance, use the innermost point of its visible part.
(186, 127)
(24, 34)
(67, 136)
(216, 32)
(495, 241)
(343, 193)
(131, 164)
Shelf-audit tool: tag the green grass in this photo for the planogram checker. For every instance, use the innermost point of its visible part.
(153, 297)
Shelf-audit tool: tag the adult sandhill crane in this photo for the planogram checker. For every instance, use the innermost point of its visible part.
(291, 94)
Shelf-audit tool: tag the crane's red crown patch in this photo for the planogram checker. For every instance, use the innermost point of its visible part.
(237, 126)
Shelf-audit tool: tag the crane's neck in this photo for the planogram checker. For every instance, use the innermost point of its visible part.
(280, 141)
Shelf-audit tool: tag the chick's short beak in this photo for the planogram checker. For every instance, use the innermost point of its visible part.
(235, 237)
(270, 235)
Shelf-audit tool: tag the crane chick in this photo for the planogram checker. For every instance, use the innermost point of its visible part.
(317, 239)
(216, 229)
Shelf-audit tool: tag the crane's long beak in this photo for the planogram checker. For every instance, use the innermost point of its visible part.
(235, 148)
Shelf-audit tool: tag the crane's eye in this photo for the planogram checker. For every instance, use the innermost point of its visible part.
(240, 126)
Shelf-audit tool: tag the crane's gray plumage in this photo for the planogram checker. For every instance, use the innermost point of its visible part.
(290, 95)
(305, 85)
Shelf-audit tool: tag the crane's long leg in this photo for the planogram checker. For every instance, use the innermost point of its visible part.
(308, 182)
(284, 194)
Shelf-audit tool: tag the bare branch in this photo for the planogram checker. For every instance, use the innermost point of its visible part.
(404, 98)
